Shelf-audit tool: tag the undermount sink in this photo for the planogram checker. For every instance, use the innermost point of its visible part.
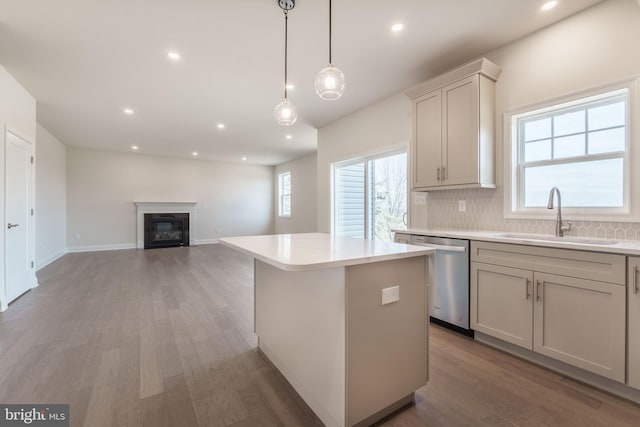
(541, 237)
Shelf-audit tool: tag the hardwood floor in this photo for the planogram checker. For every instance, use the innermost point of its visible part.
(165, 338)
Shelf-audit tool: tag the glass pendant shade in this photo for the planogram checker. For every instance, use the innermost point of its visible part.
(286, 113)
(330, 83)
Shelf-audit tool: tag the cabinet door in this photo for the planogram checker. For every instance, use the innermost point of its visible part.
(501, 303)
(427, 140)
(461, 106)
(581, 322)
(634, 322)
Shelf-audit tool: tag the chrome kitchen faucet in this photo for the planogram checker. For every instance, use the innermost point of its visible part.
(560, 229)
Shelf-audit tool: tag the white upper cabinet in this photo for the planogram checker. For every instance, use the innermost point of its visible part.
(454, 129)
(426, 157)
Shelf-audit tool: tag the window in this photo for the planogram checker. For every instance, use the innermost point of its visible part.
(370, 196)
(284, 194)
(581, 147)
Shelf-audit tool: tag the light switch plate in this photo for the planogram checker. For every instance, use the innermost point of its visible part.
(419, 199)
(390, 295)
(462, 205)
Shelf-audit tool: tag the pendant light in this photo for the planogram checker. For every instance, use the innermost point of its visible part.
(285, 112)
(330, 80)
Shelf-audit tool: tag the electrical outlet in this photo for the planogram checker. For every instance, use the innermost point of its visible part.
(77, 236)
(419, 199)
(390, 295)
(462, 205)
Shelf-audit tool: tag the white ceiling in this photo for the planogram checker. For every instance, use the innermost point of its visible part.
(87, 60)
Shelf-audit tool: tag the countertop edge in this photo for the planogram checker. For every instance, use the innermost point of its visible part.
(623, 247)
(419, 251)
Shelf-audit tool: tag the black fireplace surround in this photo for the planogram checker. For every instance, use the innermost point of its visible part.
(164, 230)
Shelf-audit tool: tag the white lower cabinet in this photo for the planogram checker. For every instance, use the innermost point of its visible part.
(634, 323)
(501, 303)
(572, 319)
(580, 322)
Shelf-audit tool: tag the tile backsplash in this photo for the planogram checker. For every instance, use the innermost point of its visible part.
(485, 213)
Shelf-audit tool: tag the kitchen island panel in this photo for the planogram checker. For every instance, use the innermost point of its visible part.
(386, 344)
(300, 322)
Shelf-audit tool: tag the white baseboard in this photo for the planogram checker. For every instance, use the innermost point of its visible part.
(48, 260)
(207, 241)
(97, 248)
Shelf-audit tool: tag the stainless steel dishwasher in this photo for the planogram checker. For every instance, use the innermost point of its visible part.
(449, 280)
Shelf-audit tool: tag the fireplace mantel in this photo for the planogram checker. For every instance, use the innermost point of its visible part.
(165, 207)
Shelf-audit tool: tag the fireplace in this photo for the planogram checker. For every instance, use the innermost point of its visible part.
(163, 230)
(179, 210)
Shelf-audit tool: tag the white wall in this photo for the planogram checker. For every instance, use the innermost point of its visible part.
(587, 50)
(233, 199)
(18, 112)
(303, 196)
(51, 198)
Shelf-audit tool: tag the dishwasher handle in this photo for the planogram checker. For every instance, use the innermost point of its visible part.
(443, 248)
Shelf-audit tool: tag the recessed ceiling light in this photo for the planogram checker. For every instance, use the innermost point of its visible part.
(220, 125)
(291, 86)
(244, 158)
(289, 136)
(549, 5)
(397, 28)
(134, 147)
(128, 111)
(195, 154)
(174, 56)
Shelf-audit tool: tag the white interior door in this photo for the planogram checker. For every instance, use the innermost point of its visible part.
(18, 227)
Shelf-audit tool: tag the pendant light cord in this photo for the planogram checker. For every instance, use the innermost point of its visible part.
(286, 29)
(330, 62)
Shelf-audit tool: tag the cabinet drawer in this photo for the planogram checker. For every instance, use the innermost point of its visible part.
(585, 265)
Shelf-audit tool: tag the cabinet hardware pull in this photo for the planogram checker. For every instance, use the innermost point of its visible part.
(538, 290)
(10, 226)
(528, 291)
(443, 173)
(438, 174)
(635, 279)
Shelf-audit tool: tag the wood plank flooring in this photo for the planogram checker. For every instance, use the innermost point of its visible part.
(165, 338)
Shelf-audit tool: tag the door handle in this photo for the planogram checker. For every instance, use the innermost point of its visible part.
(538, 283)
(10, 226)
(635, 279)
(528, 286)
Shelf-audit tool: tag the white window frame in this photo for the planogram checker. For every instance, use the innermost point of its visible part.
(400, 148)
(513, 179)
(281, 194)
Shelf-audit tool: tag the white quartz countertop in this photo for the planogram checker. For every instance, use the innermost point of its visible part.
(309, 251)
(623, 247)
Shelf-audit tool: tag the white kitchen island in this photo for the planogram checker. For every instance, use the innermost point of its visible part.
(320, 319)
